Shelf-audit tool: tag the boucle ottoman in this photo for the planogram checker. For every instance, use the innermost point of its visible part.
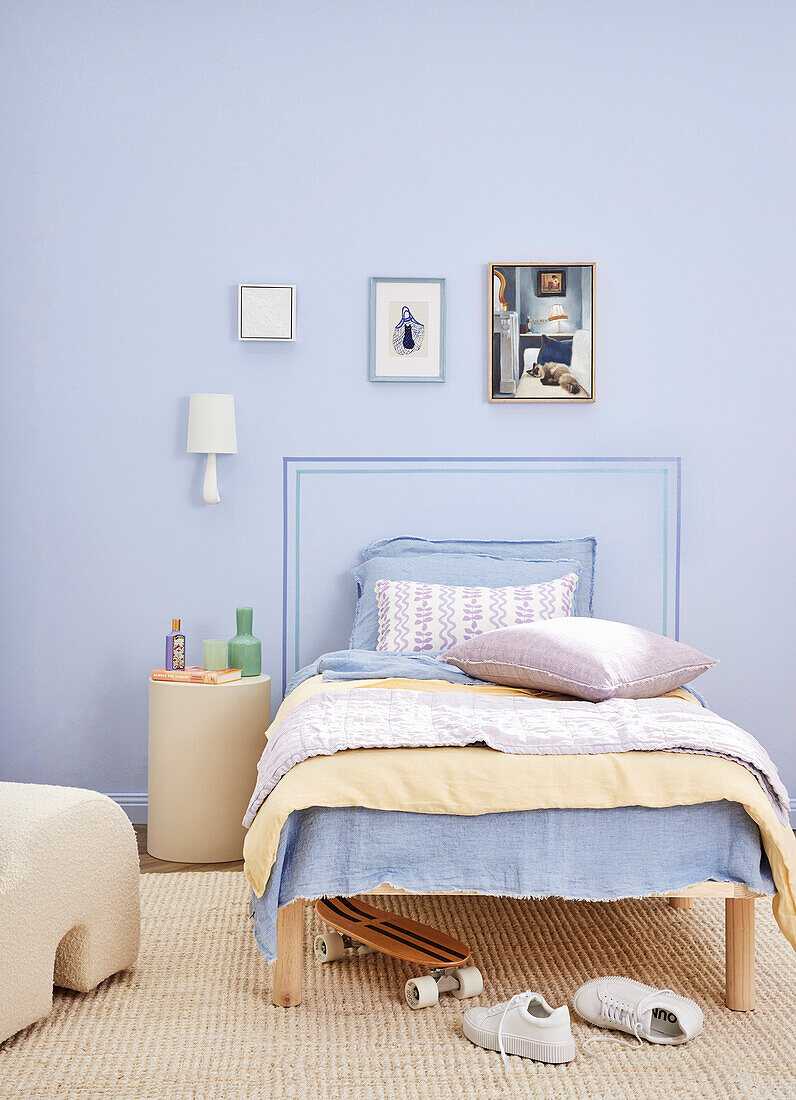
(69, 906)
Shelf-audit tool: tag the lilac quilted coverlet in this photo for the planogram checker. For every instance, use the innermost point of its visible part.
(359, 718)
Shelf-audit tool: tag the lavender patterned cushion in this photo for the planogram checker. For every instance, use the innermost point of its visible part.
(592, 659)
(477, 570)
(419, 618)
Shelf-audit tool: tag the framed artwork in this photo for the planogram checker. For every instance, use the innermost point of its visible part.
(266, 311)
(541, 333)
(407, 330)
(551, 284)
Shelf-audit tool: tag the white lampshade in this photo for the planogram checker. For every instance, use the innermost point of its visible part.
(211, 424)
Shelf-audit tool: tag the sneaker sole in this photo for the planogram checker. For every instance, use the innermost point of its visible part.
(526, 1048)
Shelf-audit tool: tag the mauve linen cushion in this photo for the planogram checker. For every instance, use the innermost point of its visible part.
(592, 659)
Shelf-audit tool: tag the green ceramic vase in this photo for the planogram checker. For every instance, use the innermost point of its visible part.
(245, 651)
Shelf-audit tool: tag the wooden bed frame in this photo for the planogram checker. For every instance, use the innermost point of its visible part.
(739, 942)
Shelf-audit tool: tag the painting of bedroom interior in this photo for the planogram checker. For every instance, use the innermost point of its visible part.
(541, 345)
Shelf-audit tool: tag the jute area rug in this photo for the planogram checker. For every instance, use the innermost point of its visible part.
(194, 1019)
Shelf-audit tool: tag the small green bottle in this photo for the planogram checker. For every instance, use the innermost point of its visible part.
(245, 651)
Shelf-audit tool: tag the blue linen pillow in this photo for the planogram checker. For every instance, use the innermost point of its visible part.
(459, 569)
(555, 351)
(583, 550)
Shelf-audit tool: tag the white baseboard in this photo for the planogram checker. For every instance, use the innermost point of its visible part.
(135, 806)
(133, 803)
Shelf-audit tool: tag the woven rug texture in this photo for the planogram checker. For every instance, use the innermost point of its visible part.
(195, 1020)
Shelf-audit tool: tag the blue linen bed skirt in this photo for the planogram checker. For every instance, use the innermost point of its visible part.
(583, 854)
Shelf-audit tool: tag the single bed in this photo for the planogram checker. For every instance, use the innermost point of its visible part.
(377, 816)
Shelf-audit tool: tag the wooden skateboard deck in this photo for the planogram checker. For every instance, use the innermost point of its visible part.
(392, 934)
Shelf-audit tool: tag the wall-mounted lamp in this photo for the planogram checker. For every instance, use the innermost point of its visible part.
(211, 431)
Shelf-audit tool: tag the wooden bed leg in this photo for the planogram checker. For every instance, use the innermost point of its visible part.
(681, 903)
(739, 951)
(289, 966)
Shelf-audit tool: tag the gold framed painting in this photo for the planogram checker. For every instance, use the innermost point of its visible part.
(541, 333)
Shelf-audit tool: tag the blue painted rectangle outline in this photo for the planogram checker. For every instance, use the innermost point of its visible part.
(372, 376)
(383, 464)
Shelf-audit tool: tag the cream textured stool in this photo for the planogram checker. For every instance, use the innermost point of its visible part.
(69, 907)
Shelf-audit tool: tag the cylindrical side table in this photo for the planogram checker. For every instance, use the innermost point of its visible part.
(204, 744)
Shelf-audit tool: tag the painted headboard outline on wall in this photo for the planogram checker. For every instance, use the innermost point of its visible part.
(664, 476)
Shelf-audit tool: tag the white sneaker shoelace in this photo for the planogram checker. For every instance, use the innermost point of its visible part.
(617, 1011)
(518, 999)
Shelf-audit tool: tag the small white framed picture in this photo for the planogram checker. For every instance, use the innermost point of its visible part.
(407, 330)
(266, 311)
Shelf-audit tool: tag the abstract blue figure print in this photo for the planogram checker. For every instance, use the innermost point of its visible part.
(408, 334)
(407, 329)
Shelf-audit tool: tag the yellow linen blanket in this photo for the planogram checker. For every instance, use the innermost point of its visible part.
(477, 780)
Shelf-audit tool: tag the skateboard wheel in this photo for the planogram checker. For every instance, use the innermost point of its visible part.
(470, 980)
(329, 947)
(421, 992)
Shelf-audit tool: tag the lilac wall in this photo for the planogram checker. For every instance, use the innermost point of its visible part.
(158, 154)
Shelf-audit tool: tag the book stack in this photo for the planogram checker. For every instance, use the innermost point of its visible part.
(195, 674)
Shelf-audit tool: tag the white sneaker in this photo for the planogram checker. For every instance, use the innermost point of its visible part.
(525, 1025)
(658, 1015)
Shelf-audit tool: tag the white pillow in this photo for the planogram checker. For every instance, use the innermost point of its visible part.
(581, 359)
(529, 357)
(426, 618)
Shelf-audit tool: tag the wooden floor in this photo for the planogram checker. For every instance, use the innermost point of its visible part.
(149, 864)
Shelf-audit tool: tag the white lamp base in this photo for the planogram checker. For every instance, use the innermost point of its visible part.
(210, 493)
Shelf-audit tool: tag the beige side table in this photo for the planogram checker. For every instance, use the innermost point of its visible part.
(204, 744)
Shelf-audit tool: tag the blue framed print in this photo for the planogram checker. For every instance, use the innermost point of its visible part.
(407, 330)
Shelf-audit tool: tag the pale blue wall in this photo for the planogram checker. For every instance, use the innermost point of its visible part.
(156, 154)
